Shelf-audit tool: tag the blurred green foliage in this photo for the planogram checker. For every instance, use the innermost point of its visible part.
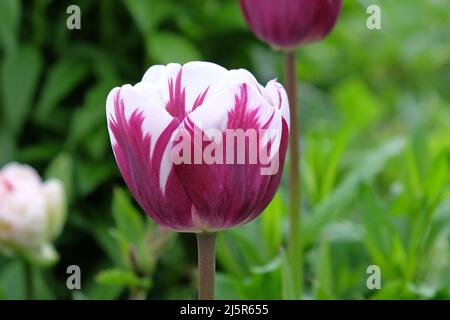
(376, 148)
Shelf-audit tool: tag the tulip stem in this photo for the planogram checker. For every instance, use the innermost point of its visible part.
(206, 243)
(29, 285)
(294, 249)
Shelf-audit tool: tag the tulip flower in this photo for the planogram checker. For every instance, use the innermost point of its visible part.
(175, 137)
(289, 23)
(32, 213)
(285, 25)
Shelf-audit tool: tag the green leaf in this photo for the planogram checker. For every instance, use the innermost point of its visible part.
(252, 251)
(324, 283)
(358, 105)
(269, 267)
(337, 203)
(38, 152)
(7, 145)
(120, 277)
(128, 220)
(63, 77)
(225, 287)
(271, 220)
(382, 238)
(165, 47)
(19, 79)
(10, 14)
(394, 290)
(287, 280)
(90, 116)
(103, 236)
(417, 160)
(228, 256)
(62, 168)
(122, 247)
(99, 292)
(440, 224)
(12, 276)
(147, 14)
(437, 177)
(333, 160)
(92, 175)
(98, 145)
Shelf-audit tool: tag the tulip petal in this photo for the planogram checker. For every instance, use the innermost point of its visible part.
(141, 138)
(53, 190)
(159, 74)
(278, 96)
(235, 192)
(288, 23)
(184, 88)
(214, 113)
(20, 176)
(327, 13)
(200, 78)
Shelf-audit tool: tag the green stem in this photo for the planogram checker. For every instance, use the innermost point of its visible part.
(29, 285)
(206, 243)
(295, 252)
(136, 293)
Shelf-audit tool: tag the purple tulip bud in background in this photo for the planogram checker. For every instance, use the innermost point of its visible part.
(287, 24)
(170, 136)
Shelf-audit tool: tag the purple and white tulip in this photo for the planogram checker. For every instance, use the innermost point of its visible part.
(287, 24)
(170, 135)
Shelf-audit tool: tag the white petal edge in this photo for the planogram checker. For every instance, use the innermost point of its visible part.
(145, 98)
(156, 118)
(279, 98)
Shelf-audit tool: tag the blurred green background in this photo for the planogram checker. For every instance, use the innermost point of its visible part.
(375, 157)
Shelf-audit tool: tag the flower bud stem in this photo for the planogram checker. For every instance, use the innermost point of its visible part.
(295, 251)
(206, 243)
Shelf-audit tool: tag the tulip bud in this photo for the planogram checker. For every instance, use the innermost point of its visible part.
(287, 24)
(170, 136)
(32, 213)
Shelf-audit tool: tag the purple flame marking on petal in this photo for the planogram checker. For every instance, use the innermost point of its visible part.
(200, 98)
(240, 117)
(140, 169)
(176, 105)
